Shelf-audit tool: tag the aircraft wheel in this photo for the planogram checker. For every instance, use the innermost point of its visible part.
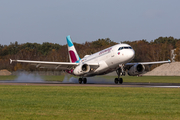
(80, 80)
(116, 80)
(84, 80)
(120, 81)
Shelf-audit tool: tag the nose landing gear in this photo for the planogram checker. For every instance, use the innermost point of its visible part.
(118, 80)
(119, 71)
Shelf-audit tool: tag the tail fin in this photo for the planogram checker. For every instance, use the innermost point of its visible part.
(73, 56)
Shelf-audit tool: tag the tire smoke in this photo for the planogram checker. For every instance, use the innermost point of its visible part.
(69, 79)
(28, 78)
(90, 80)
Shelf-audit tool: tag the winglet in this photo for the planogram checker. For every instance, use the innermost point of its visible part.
(11, 61)
(169, 61)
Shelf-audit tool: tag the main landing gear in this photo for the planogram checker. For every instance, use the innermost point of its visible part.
(119, 71)
(118, 80)
(84, 80)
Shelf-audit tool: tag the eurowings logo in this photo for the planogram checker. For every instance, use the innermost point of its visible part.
(73, 56)
(105, 51)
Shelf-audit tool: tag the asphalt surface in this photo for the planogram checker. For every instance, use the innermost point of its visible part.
(125, 84)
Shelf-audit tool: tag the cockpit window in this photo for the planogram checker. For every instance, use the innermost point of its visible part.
(120, 48)
(124, 48)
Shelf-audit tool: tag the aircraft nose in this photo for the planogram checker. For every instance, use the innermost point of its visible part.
(131, 54)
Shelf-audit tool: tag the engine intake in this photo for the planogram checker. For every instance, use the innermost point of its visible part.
(136, 70)
(140, 68)
(81, 69)
(85, 68)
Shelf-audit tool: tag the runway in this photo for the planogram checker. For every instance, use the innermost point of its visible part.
(125, 84)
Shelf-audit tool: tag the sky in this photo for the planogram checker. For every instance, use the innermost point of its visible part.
(38, 21)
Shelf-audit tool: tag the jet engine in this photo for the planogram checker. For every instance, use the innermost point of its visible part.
(136, 70)
(81, 69)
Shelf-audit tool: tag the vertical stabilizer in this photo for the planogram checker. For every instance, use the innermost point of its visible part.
(73, 56)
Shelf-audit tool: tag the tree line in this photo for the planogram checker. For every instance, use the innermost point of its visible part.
(155, 50)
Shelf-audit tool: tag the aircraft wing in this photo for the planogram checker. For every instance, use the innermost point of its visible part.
(148, 63)
(46, 64)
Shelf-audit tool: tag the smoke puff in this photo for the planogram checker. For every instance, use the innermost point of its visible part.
(90, 80)
(25, 77)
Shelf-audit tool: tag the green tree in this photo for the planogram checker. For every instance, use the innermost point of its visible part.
(177, 51)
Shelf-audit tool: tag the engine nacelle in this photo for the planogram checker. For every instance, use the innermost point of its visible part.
(81, 69)
(136, 70)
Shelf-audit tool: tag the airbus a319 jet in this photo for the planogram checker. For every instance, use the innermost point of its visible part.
(114, 58)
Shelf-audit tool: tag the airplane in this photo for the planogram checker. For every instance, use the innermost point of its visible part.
(114, 58)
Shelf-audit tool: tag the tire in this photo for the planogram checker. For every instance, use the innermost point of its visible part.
(84, 80)
(116, 80)
(80, 80)
(120, 81)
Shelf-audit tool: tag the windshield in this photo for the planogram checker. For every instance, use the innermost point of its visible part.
(124, 48)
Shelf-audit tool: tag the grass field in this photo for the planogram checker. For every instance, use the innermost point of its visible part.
(9, 77)
(143, 79)
(48, 102)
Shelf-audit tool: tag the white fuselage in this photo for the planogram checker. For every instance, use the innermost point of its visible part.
(109, 59)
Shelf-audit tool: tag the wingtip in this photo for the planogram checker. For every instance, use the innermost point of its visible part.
(10, 61)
